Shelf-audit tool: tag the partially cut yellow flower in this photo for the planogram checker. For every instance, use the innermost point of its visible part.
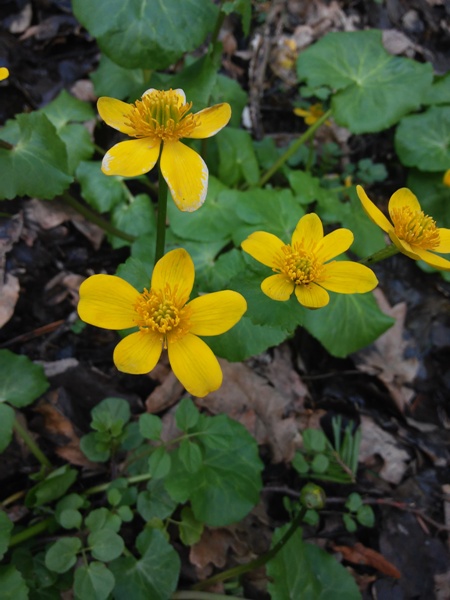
(4, 73)
(163, 117)
(302, 266)
(446, 178)
(165, 319)
(412, 231)
(312, 114)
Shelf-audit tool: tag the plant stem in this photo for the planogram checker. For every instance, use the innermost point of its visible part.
(32, 446)
(102, 487)
(30, 532)
(202, 596)
(94, 217)
(162, 214)
(380, 255)
(218, 26)
(258, 562)
(309, 133)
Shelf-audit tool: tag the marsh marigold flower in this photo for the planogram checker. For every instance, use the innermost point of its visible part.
(446, 178)
(412, 231)
(163, 118)
(4, 73)
(165, 319)
(312, 114)
(303, 265)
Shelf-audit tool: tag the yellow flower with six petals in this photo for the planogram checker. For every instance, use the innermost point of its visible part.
(412, 231)
(165, 319)
(163, 118)
(303, 265)
(4, 73)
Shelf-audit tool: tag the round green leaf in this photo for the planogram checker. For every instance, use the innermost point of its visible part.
(186, 415)
(36, 165)
(101, 191)
(94, 581)
(70, 518)
(365, 516)
(423, 141)
(150, 35)
(301, 570)
(105, 545)
(102, 518)
(62, 555)
(154, 576)
(190, 528)
(7, 418)
(155, 502)
(12, 584)
(150, 426)
(159, 463)
(370, 83)
(320, 463)
(21, 381)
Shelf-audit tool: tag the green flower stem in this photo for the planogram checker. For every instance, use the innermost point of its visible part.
(218, 26)
(162, 215)
(32, 446)
(309, 133)
(380, 255)
(258, 562)
(97, 489)
(94, 217)
(202, 596)
(30, 532)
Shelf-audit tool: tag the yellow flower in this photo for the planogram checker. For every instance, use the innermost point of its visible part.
(162, 117)
(4, 73)
(302, 266)
(446, 178)
(165, 319)
(412, 231)
(313, 114)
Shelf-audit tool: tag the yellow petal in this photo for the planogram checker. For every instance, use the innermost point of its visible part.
(116, 114)
(446, 178)
(211, 120)
(312, 295)
(264, 247)
(403, 197)
(195, 365)
(107, 301)
(186, 174)
(347, 277)
(278, 287)
(438, 262)
(335, 243)
(213, 314)
(309, 231)
(4, 73)
(301, 112)
(403, 246)
(175, 269)
(138, 353)
(373, 212)
(444, 241)
(131, 158)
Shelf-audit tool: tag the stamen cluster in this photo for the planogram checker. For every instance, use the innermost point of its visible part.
(159, 115)
(299, 265)
(415, 227)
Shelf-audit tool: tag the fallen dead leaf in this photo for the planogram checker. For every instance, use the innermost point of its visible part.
(266, 413)
(376, 441)
(9, 293)
(390, 358)
(361, 555)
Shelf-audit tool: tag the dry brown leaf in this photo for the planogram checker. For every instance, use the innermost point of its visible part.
(376, 441)
(212, 550)
(386, 357)
(9, 293)
(361, 555)
(248, 398)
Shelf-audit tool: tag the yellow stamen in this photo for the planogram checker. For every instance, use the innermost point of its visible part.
(164, 313)
(299, 265)
(415, 227)
(159, 115)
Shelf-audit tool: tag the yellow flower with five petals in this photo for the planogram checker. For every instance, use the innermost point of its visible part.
(4, 73)
(162, 118)
(166, 320)
(312, 114)
(412, 231)
(304, 266)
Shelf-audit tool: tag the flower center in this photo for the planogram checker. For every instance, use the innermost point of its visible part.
(299, 265)
(415, 227)
(163, 312)
(159, 114)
